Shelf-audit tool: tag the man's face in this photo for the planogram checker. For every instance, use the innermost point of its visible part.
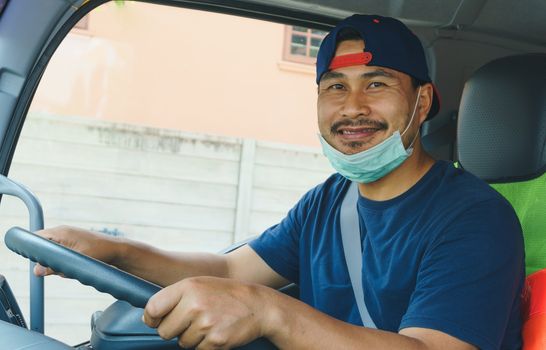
(360, 106)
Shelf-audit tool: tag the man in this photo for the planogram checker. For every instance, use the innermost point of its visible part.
(442, 252)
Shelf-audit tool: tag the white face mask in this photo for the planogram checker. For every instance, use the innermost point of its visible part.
(372, 164)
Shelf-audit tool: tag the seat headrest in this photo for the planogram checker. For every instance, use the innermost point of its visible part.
(501, 127)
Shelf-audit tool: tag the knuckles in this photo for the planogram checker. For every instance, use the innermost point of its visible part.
(197, 308)
(206, 323)
(152, 311)
(60, 230)
(184, 344)
(215, 340)
(164, 334)
(192, 283)
(56, 233)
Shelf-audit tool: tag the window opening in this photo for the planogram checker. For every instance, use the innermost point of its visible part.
(302, 44)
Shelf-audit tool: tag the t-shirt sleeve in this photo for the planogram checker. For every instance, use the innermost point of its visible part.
(278, 246)
(470, 279)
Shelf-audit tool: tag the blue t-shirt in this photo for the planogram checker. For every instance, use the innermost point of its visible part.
(446, 255)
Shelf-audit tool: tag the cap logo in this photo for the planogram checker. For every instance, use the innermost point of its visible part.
(353, 59)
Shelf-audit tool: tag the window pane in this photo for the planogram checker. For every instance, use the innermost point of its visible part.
(298, 50)
(319, 32)
(298, 45)
(299, 40)
(315, 42)
(299, 29)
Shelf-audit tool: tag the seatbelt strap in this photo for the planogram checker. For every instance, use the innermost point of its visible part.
(352, 247)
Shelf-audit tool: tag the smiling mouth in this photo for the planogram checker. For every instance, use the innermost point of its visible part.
(358, 131)
(362, 134)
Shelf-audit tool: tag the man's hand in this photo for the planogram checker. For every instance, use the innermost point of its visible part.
(209, 312)
(93, 244)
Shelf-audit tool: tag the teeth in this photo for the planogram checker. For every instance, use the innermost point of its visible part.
(349, 132)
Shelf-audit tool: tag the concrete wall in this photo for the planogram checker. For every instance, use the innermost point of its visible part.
(173, 189)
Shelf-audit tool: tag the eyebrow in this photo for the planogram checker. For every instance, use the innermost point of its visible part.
(377, 73)
(373, 74)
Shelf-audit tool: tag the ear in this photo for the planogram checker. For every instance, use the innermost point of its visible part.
(425, 102)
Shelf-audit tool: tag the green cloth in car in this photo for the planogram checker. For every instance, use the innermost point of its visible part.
(529, 201)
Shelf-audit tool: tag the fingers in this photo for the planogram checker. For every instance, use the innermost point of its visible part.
(190, 338)
(162, 303)
(44, 233)
(170, 313)
(205, 313)
(177, 322)
(53, 234)
(41, 271)
(217, 340)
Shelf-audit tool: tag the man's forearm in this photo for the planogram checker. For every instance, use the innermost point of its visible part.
(295, 325)
(164, 267)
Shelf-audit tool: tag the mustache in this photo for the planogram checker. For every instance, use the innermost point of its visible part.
(374, 124)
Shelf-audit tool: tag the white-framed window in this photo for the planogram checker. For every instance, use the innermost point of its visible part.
(302, 44)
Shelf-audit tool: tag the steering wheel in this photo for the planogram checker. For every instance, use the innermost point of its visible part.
(95, 273)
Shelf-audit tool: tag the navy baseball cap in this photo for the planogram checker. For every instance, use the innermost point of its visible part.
(388, 43)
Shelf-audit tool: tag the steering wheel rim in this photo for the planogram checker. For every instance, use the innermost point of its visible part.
(92, 272)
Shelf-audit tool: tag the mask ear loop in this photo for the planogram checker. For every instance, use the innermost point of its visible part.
(411, 119)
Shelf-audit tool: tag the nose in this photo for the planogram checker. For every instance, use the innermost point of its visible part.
(355, 105)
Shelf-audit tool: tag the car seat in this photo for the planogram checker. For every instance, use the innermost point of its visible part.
(501, 135)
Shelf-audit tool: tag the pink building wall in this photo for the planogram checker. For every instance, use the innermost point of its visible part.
(175, 68)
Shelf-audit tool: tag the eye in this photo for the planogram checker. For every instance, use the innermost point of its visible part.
(376, 84)
(336, 86)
